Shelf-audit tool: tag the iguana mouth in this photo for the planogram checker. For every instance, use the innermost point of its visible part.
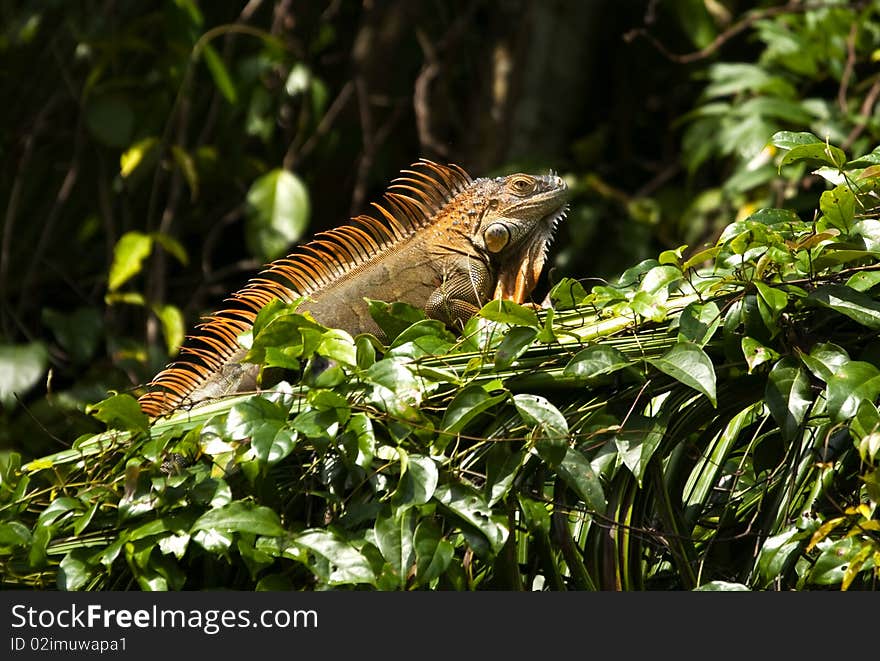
(519, 273)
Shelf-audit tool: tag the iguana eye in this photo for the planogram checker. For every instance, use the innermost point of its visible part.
(522, 185)
(496, 237)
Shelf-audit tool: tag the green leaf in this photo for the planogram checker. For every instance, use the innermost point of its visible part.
(242, 517)
(110, 119)
(832, 564)
(774, 216)
(338, 345)
(172, 246)
(853, 304)
(417, 482)
(864, 280)
(778, 553)
(788, 396)
(433, 553)
(502, 467)
(128, 256)
(75, 571)
(789, 140)
(774, 300)
(638, 440)
(818, 153)
(343, 564)
(120, 411)
(537, 411)
(21, 368)
(594, 361)
(57, 508)
(173, 327)
(825, 359)
(14, 533)
(220, 74)
(853, 382)
(467, 404)
(688, 363)
(472, 508)
(579, 475)
(394, 537)
(298, 80)
(393, 318)
(839, 207)
(721, 586)
(701, 258)
(136, 154)
(660, 278)
(567, 293)
(78, 332)
(508, 312)
(756, 353)
(515, 342)
(865, 429)
(698, 322)
(277, 213)
(361, 427)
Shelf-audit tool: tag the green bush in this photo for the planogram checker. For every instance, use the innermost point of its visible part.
(702, 422)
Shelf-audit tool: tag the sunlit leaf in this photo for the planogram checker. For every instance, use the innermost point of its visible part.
(688, 363)
(128, 256)
(243, 517)
(173, 326)
(853, 304)
(851, 383)
(472, 508)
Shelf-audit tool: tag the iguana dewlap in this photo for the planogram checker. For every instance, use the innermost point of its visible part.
(442, 242)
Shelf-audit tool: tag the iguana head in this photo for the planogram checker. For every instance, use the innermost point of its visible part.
(520, 213)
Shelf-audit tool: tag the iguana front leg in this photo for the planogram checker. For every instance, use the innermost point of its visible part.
(461, 294)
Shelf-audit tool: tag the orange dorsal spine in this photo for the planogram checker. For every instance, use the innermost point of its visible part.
(410, 204)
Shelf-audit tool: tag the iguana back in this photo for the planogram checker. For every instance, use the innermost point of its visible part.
(443, 242)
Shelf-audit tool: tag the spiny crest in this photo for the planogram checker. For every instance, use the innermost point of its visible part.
(411, 203)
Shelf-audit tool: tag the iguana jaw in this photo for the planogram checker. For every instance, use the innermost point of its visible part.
(518, 274)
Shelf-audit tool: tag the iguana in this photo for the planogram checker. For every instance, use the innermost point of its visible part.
(443, 242)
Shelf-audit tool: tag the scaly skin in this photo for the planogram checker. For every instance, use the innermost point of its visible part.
(448, 245)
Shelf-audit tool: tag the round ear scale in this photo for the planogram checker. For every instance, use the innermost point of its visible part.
(496, 236)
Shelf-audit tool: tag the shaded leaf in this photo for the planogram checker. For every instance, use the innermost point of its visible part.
(278, 211)
(788, 396)
(433, 553)
(515, 342)
(21, 368)
(220, 74)
(467, 404)
(698, 322)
